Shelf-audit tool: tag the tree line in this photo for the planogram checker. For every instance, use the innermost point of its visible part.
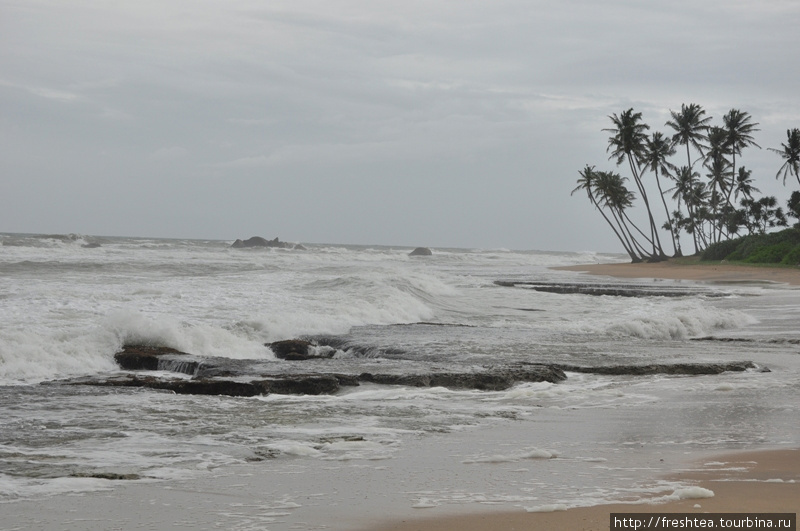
(712, 194)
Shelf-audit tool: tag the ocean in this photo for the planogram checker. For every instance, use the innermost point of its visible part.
(375, 447)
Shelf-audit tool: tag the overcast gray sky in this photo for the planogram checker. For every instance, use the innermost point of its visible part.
(437, 122)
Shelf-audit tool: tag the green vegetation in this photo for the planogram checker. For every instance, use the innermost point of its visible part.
(774, 248)
(715, 208)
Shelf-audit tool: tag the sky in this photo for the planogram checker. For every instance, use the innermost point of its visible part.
(437, 123)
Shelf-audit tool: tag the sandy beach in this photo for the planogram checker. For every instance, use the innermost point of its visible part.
(677, 270)
(748, 482)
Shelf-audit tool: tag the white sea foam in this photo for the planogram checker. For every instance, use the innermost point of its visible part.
(529, 453)
(34, 355)
(676, 321)
(691, 493)
(12, 488)
(547, 508)
(424, 503)
(201, 339)
(683, 493)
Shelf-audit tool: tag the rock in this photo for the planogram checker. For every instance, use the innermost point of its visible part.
(258, 241)
(666, 368)
(238, 377)
(492, 379)
(295, 385)
(143, 357)
(421, 251)
(616, 290)
(113, 476)
(302, 385)
(300, 247)
(299, 349)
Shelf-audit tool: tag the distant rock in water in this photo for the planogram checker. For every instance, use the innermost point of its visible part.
(258, 241)
(421, 251)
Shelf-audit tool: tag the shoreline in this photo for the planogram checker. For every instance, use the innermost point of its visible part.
(760, 481)
(755, 481)
(676, 270)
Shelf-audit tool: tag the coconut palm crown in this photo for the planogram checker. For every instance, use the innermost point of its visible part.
(790, 153)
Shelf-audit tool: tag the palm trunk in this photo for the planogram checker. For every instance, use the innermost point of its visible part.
(634, 257)
(657, 250)
(625, 221)
(675, 249)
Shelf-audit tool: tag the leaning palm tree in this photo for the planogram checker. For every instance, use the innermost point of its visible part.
(588, 183)
(739, 129)
(790, 154)
(657, 149)
(690, 127)
(614, 195)
(627, 143)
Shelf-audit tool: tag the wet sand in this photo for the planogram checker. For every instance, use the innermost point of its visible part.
(694, 271)
(750, 482)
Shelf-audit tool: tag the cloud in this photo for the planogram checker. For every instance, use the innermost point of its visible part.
(454, 100)
(169, 153)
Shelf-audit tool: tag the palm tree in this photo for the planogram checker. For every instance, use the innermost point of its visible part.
(717, 163)
(739, 130)
(689, 189)
(690, 127)
(627, 143)
(614, 195)
(588, 182)
(657, 150)
(790, 154)
(744, 184)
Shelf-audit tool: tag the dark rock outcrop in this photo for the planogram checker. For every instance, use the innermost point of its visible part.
(258, 241)
(773, 340)
(144, 357)
(232, 377)
(617, 290)
(298, 385)
(299, 349)
(493, 379)
(665, 368)
(421, 251)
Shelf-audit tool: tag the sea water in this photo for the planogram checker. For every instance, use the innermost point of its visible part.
(67, 308)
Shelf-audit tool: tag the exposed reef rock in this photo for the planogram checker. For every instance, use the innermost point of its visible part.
(778, 341)
(300, 349)
(493, 379)
(148, 358)
(235, 377)
(421, 251)
(296, 385)
(666, 368)
(618, 290)
(258, 241)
